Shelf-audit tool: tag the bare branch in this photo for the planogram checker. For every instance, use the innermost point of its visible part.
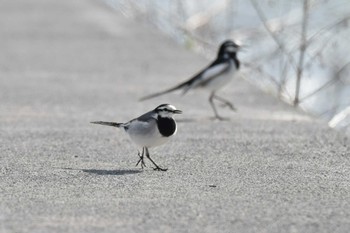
(327, 84)
(283, 79)
(273, 35)
(327, 28)
(303, 47)
(272, 79)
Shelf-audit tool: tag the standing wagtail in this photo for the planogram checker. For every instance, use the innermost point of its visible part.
(152, 129)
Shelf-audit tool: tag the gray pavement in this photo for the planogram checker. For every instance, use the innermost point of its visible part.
(65, 63)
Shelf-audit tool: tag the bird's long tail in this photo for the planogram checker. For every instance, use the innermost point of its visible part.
(114, 124)
(178, 87)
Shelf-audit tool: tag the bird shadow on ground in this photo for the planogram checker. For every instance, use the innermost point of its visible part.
(104, 172)
(112, 172)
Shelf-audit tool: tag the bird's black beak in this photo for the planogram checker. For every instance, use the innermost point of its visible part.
(177, 111)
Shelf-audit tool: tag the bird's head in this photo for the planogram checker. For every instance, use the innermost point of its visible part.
(228, 47)
(166, 110)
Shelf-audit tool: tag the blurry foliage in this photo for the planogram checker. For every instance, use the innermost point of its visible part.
(297, 50)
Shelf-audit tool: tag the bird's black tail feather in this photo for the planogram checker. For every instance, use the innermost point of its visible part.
(182, 85)
(114, 124)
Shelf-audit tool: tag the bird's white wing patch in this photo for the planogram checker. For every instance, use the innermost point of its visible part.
(214, 71)
(210, 73)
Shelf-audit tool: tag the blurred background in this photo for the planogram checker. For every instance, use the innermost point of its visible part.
(298, 51)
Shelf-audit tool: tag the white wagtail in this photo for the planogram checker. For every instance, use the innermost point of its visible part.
(152, 129)
(213, 77)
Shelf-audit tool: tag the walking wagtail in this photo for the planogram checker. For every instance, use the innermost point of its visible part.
(213, 77)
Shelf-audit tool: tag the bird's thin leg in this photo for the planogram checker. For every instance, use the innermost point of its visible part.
(157, 168)
(225, 102)
(141, 158)
(211, 101)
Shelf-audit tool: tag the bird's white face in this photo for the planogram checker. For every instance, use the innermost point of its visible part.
(167, 110)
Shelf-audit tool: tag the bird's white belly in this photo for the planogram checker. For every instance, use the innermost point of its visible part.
(146, 134)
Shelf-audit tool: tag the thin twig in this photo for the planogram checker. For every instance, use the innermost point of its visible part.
(283, 79)
(273, 35)
(335, 79)
(327, 84)
(303, 47)
(326, 28)
(272, 79)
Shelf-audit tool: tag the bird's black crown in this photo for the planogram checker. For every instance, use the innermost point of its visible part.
(228, 46)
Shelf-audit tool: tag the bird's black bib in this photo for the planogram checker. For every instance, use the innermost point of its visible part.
(166, 126)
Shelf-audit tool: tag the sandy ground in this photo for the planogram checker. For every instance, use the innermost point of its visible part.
(66, 63)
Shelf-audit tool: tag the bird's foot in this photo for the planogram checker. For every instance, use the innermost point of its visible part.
(230, 106)
(160, 169)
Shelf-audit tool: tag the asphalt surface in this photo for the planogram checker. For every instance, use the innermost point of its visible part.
(269, 168)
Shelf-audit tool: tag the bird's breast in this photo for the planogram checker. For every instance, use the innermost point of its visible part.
(221, 79)
(166, 126)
